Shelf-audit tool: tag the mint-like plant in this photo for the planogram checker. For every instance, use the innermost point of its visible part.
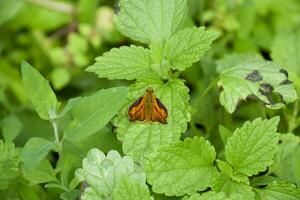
(161, 161)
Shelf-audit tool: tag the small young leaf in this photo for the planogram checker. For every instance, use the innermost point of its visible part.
(251, 148)
(261, 79)
(35, 150)
(187, 46)
(279, 191)
(124, 63)
(140, 138)
(107, 174)
(38, 91)
(150, 21)
(42, 173)
(11, 127)
(182, 167)
(94, 112)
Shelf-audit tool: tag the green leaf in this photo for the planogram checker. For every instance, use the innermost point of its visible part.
(60, 77)
(187, 46)
(94, 112)
(207, 196)
(279, 191)
(262, 79)
(251, 148)
(286, 50)
(8, 9)
(182, 167)
(233, 189)
(284, 158)
(231, 60)
(150, 21)
(11, 127)
(9, 163)
(129, 189)
(42, 97)
(111, 174)
(42, 173)
(35, 150)
(140, 138)
(124, 63)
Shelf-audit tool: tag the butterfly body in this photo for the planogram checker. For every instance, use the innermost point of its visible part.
(148, 109)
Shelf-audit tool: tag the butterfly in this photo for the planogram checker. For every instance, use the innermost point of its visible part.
(148, 109)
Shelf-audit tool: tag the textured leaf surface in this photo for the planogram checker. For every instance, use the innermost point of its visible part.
(139, 138)
(38, 91)
(94, 112)
(262, 79)
(124, 63)
(251, 148)
(35, 150)
(9, 161)
(187, 46)
(149, 21)
(233, 190)
(182, 167)
(109, 174)
(279, 191)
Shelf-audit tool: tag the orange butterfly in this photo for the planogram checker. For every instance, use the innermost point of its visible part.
(148, 109)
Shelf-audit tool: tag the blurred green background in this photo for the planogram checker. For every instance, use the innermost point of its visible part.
(62, 38)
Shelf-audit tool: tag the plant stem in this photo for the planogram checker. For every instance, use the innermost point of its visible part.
(53, 5)
(53, 116)
(212, 83)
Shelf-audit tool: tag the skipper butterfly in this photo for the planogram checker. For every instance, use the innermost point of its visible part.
(148, 109)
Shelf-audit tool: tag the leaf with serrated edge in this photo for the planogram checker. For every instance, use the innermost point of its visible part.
(39, 91)
(233, 190)
(148, 21)
(92, 113)
(236, 86)
(279, 191)
(103, 173)
(140, 138)
(182, 167)
(187, 46)
(9, 161)
(251, 148)
(124, 63)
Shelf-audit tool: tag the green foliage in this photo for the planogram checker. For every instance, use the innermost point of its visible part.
(92, 113)
(187, 46)
(251, 148)
(201, 58)
(181, 168)
(151, 21)
(112, 175)
(39, 91)
(9, 163)
(261, 79)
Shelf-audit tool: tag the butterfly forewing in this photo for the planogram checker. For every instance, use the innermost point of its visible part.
(156, 112)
